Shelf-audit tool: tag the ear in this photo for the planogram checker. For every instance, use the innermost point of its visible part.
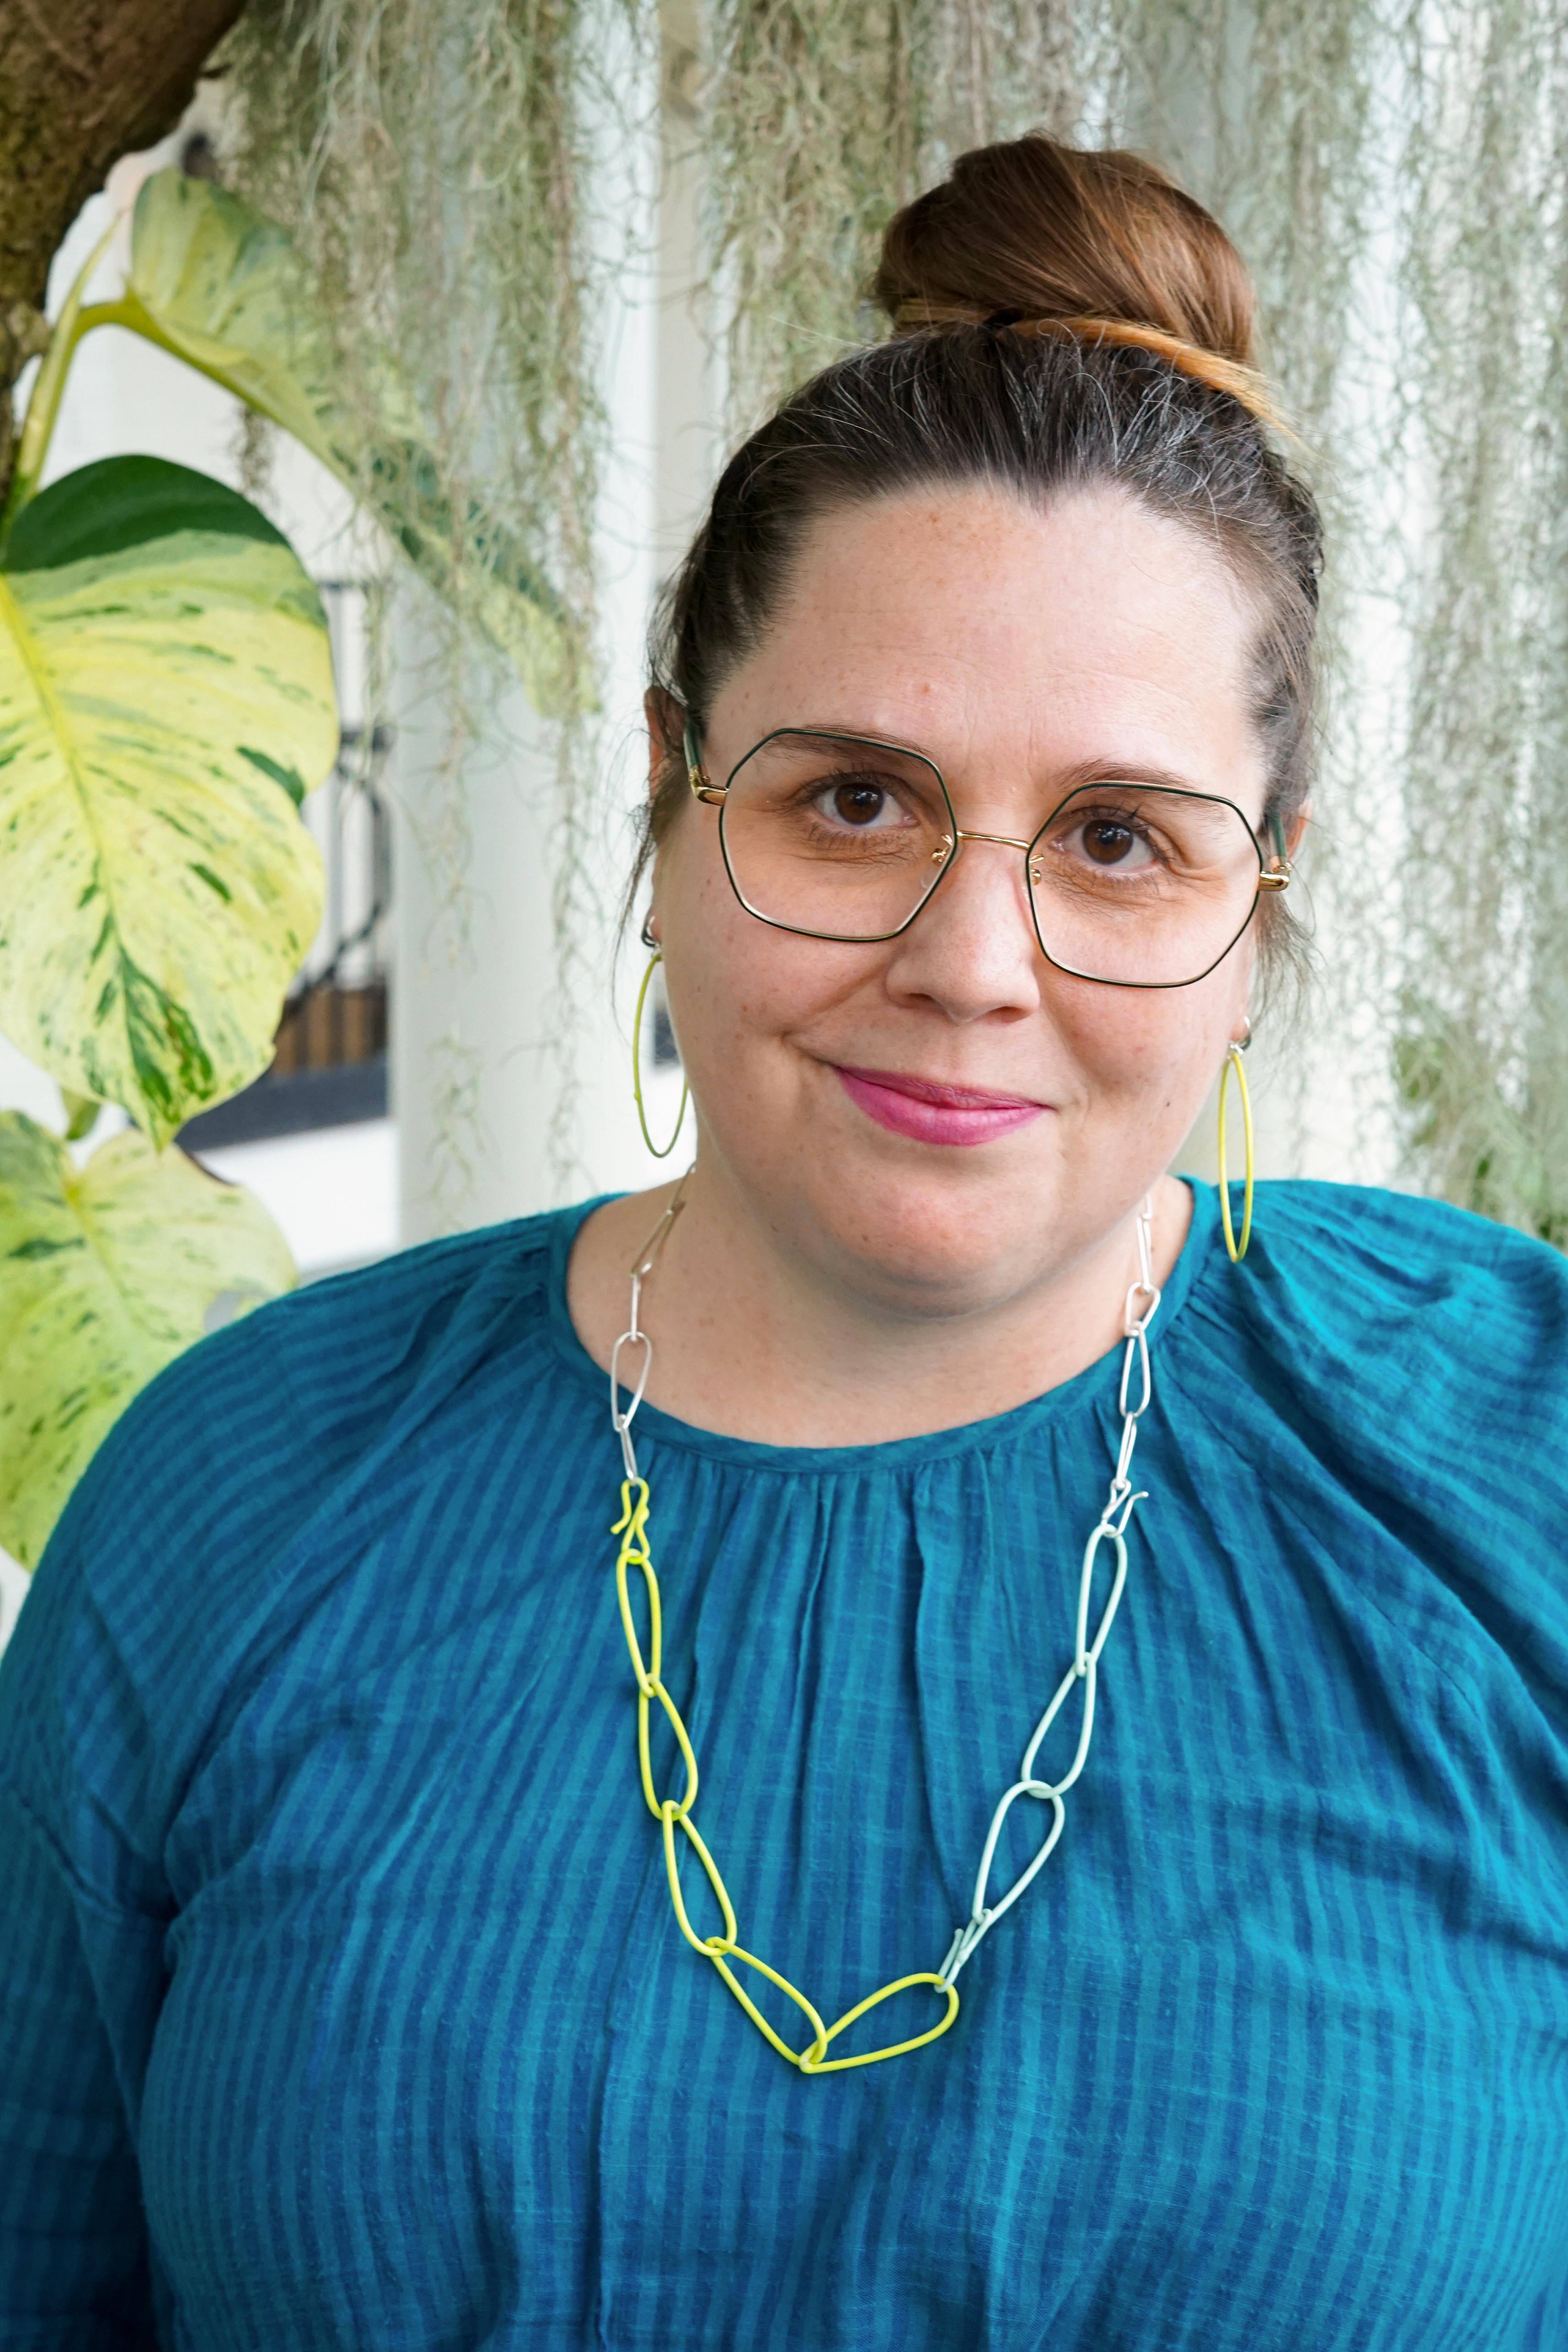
(662, 713)
(1296, 830)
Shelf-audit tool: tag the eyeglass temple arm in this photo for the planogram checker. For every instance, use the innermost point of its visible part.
(1278, 876)
(696, 774)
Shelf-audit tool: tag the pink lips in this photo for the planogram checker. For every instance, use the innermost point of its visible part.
(932, 1113)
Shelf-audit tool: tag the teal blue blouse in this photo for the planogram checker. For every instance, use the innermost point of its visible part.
(341, 2004)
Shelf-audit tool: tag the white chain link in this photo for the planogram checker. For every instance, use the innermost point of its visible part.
(1138, 1312)
(634, 1336)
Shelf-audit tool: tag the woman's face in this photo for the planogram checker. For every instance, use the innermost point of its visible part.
(1026, 653)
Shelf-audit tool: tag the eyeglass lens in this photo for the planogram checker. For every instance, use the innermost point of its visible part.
(1129, 883)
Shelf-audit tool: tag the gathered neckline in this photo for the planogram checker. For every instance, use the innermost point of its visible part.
(1083, 1390)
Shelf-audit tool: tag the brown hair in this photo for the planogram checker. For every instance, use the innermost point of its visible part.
(1016, 287)
(1051, 232)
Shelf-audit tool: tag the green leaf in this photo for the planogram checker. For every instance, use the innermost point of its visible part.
(82, 1115)
(225, 288)
(217, 282)
(106, 1273)
(158, 891)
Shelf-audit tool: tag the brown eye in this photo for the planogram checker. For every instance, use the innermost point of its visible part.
(1107, 841)
(859, 804)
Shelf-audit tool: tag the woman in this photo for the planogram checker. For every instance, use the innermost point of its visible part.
(346, 1995)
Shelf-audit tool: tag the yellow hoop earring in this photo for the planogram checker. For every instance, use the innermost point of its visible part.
(653, 960)
(1237, 1249)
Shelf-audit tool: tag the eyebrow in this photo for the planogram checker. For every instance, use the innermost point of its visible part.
(1082, 771)
(1136, 772)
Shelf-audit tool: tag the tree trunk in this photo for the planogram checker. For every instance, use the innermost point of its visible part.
(82, 82)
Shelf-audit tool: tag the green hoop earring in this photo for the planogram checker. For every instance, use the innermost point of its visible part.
(653, 960)
(1237, 1249)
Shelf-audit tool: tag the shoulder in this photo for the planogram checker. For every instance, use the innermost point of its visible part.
(291, 1393)
(1391, 1229)
(1385, 1379)
(1408, 1350)
(1356, 1266)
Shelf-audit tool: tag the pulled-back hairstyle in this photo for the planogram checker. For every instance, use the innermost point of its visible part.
(1010, 287)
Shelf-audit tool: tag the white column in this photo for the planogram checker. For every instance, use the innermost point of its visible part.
(476, 1078)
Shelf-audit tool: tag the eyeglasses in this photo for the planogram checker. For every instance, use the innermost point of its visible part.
(845, 837)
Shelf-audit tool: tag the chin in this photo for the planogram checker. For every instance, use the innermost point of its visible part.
(928, 1245)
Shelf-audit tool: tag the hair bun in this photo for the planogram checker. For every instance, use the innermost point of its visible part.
(1034, 230)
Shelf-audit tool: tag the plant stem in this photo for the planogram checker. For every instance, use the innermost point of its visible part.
(73, 324)
(129, 312)
(44, 404)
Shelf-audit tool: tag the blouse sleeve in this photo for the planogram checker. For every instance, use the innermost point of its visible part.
(73, 2263)
(106, 1687)
(82, 1920)
(167, 1575)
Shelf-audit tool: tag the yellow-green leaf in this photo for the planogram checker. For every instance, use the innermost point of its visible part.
(166, 700)
(106, 1273)
(227, 290)
(214, 280)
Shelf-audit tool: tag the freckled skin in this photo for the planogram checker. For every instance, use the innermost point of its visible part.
(829, 1282)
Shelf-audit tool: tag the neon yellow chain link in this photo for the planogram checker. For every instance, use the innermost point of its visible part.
(672, 1812)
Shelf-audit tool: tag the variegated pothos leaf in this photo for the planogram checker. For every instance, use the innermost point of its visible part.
(166, 700)
(227, 290)
(217, 282)
(106, 1273)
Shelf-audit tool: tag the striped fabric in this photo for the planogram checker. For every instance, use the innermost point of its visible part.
(340, 2000)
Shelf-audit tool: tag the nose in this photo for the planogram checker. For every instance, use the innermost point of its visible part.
(1004, 841)
(973, 951)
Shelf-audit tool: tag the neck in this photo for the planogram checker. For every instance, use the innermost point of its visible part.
(754, 1340)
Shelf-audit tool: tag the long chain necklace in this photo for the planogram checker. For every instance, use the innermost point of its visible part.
(675, 1814)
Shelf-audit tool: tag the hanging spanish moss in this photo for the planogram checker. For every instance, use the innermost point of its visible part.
(822, 119)
(433, 160)
(1482, 1037)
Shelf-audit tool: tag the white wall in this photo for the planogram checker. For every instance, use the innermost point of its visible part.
(13, 1592)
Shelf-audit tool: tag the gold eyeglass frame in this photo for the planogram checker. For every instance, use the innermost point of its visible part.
(1274, 875)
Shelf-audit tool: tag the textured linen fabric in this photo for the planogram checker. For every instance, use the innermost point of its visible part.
(342, 2003)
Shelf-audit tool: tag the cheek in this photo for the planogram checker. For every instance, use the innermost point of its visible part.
(1151, 1048)
(737, 986)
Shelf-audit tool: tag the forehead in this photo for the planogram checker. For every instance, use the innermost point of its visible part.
(1084, 629)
